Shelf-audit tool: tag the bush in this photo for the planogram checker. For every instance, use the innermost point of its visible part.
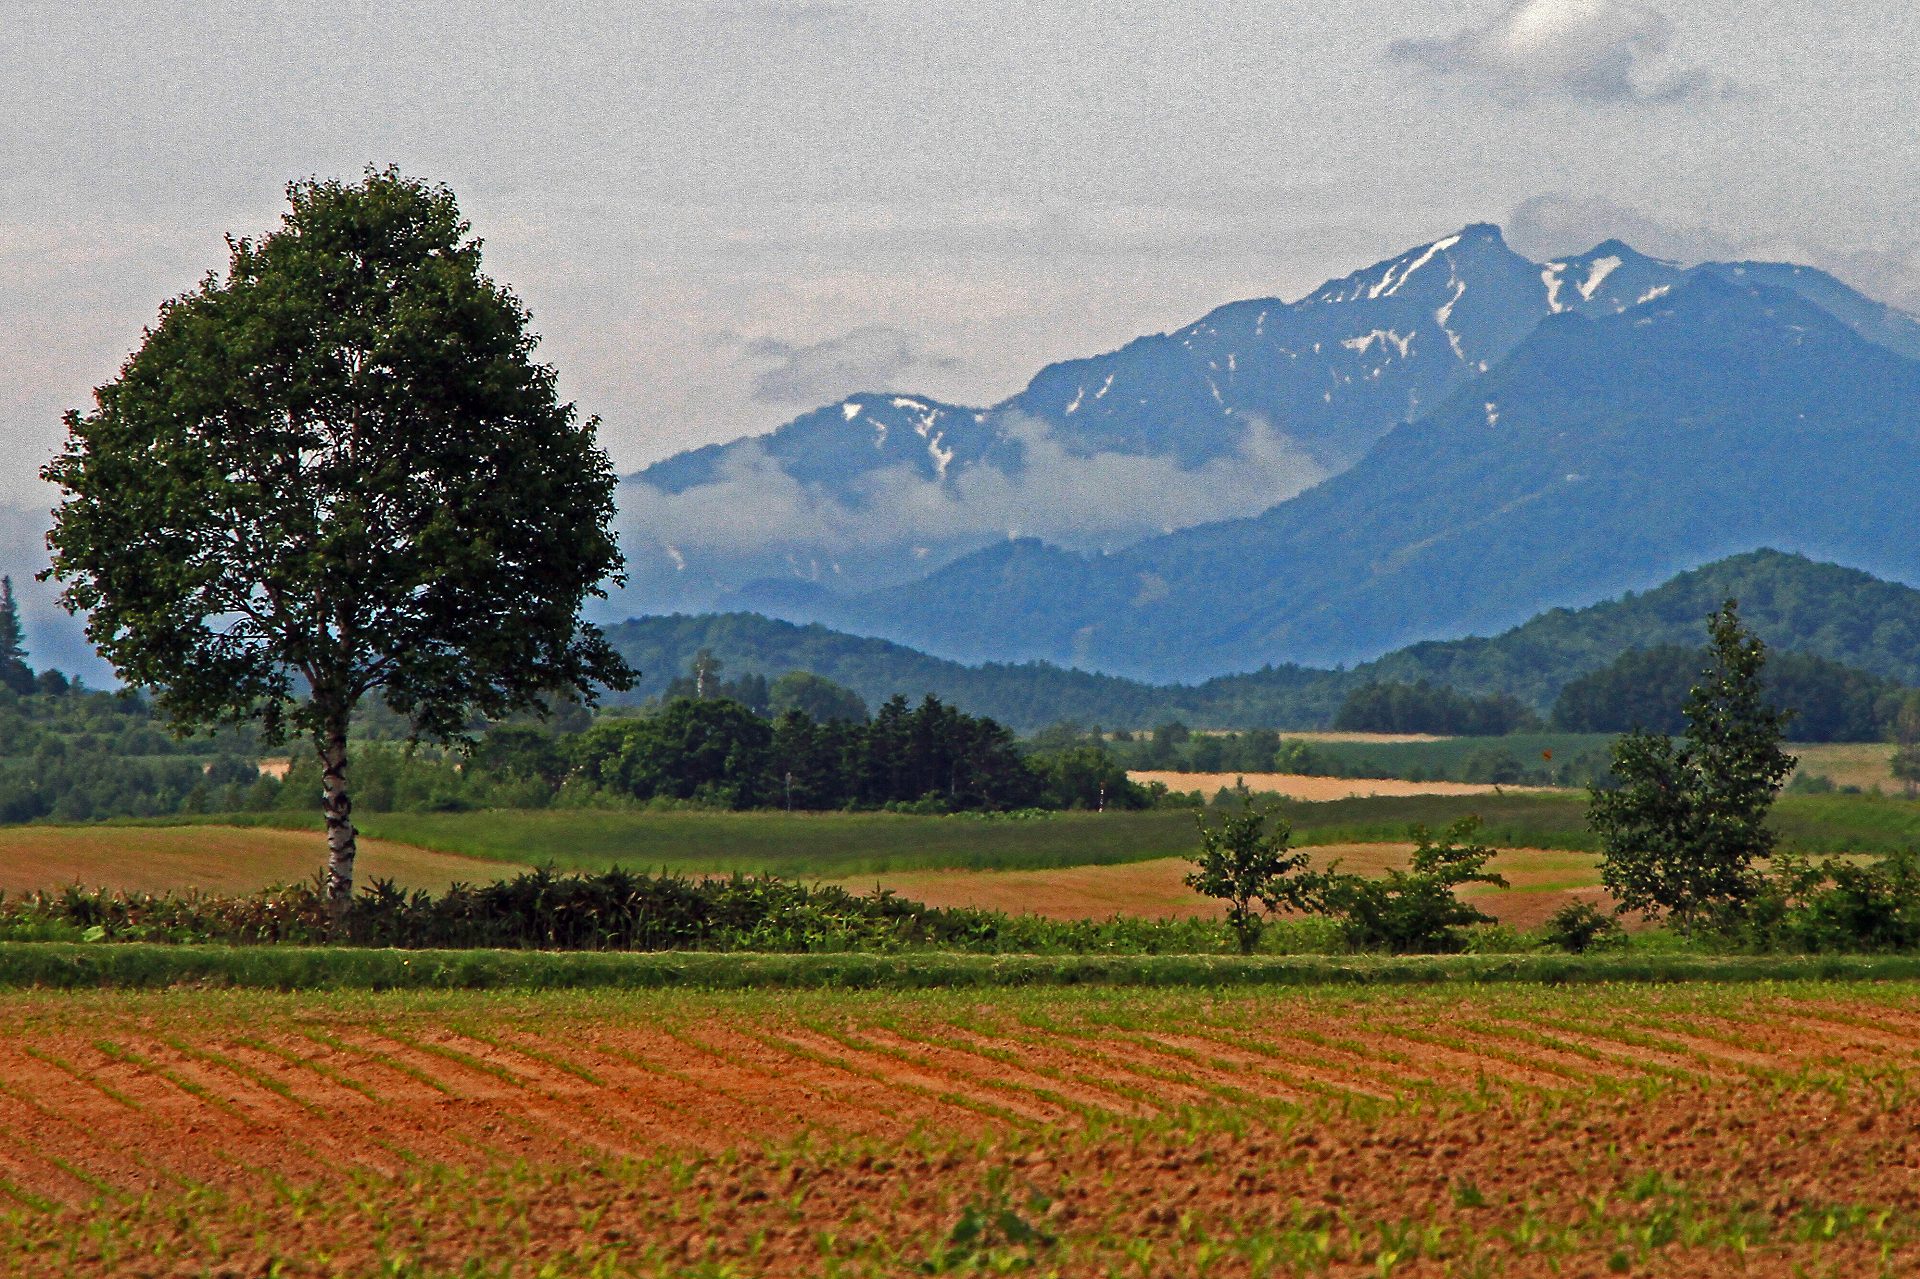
(1415, 911)
(1834, 905)
(1578, 927)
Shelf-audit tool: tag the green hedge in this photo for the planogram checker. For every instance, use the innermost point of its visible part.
(61, 965)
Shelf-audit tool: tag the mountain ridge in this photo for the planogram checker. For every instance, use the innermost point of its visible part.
(1607, 453)
(1252, 403)
(1795, 603)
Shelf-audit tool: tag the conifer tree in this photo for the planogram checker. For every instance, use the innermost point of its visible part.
(14, 671)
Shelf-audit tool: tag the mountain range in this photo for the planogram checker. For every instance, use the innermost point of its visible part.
(1795, 604)
(1081, 519)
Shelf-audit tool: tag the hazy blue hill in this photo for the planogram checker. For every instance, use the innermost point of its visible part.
(1609, 452)
(1794, 603)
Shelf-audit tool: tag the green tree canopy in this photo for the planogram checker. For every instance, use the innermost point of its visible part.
(1684, 824)
(335, 470)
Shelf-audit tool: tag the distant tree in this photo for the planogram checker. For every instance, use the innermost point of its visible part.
(15, 674)
(338, 470)
(816, 697)
(1642, 688)
(1087, 776)
(1423, 707)
(1647, 688)
(1246, 860)
(1684, 824)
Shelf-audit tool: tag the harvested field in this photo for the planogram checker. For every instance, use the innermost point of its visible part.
(1868, 765)
(226, 859)
(1318, 789)
(1522, 1131)
(1542, 880)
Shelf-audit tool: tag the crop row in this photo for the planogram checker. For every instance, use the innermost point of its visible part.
(123, 1098)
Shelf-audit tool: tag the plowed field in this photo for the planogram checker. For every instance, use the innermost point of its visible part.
(1697, 1131)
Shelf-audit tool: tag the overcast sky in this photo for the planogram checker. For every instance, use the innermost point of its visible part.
(722, 214)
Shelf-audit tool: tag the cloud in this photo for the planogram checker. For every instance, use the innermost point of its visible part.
(1602, 51)
(873, 357)
(1554, 224)
(756, 520)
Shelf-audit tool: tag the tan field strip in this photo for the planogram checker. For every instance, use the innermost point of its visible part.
(1863, 764)
(226, 859)
(1542, 881)
(1299, 786)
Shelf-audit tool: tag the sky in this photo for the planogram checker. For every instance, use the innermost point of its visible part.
(722, 214)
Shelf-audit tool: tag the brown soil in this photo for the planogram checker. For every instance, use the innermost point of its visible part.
(1541, 881)
(210, 858)
(805, 1136)
(1299, 786)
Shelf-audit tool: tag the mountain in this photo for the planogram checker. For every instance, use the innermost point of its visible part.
(1241, 409)
(1795, 604)
(1607, 452)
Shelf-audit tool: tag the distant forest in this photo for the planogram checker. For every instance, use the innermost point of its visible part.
(1845, 644)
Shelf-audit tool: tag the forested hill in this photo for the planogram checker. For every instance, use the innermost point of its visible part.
(1024, 696)
(1793, 603)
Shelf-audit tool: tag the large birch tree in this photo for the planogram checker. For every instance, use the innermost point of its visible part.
(338, 471)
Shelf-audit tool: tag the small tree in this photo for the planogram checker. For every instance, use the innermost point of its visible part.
(339, 470)
(1415, 910)
(1252, 868)
(1681, 830)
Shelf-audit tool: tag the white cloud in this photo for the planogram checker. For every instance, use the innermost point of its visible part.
(873, 357)
(1092, 502)
(1554, 224)
(1590, 50)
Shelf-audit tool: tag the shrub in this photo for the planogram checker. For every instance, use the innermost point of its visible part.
(1415, 910)
(1835, 905)
(1578, 927)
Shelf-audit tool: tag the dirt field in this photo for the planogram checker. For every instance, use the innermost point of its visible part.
(1542, 881)
(1676, 1131)
(210, 858)
(1297, 786)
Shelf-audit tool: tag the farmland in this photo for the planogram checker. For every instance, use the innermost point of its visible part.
(1509, 1130)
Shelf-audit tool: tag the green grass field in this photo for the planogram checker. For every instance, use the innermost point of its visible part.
(838, 845)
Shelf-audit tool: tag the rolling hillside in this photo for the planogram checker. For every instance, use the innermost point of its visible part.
(1794, 603)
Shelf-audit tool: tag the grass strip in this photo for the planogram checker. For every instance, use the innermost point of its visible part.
(64, 965)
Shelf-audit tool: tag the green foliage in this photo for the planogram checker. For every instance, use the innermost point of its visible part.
(1836, 905)
(1087, 777)
(1423, 707)
(815, 697)
(612, 910)
(1244, 860)
(1647, 688)
(337, 470)
(1415, 910)
(1684, 826)
(1578, 927)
